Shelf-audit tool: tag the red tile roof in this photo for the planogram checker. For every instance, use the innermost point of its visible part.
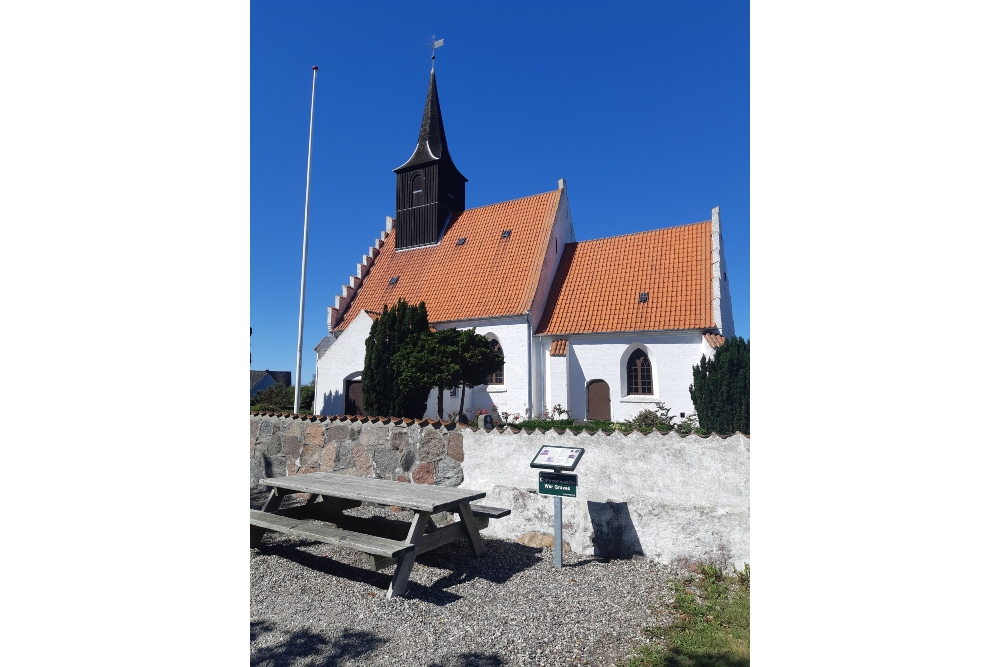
(597, 285)
(558, 348)
(487, 276)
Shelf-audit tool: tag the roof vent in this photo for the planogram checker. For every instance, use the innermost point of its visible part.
(461, 241)
(643, 297)
(505, 234)
(393, 280)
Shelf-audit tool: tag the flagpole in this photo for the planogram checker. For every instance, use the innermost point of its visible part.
(305, 247)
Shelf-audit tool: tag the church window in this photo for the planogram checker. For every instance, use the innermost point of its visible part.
(497, 378)
(418, 183)
(640, 374)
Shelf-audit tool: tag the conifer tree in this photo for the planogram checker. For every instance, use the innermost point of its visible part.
(380, 394)
(721, 389)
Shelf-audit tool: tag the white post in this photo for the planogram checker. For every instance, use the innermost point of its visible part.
(305, 247)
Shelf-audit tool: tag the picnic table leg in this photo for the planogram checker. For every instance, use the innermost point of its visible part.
(471, 528)
(401, 577)
(272, 503)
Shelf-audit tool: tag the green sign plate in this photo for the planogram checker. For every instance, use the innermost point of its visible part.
(556, 484)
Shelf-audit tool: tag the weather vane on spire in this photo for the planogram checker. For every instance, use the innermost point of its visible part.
(435, 44)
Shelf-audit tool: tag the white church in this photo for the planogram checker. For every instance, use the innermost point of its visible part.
(602, 328)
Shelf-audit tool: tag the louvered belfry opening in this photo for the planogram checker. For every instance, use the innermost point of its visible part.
(640, 374)
(430, 190)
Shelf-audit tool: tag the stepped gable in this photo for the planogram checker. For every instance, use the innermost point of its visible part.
(486, 276)
(597, 285)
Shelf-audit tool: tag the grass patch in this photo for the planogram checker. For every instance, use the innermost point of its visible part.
(711, 624)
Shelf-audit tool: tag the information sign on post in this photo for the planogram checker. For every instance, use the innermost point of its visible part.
(557, 458)
(557, 484)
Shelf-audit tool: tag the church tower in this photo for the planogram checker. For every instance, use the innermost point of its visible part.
(429, 188)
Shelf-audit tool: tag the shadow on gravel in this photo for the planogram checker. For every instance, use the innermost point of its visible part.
(501, 562)
(305, 648)
(472, 660)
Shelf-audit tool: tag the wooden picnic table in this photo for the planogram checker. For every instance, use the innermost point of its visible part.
(386, 542)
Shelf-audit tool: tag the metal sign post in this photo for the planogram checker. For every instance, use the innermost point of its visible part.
(554, 482)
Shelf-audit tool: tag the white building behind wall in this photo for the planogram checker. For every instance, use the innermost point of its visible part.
(568, 315)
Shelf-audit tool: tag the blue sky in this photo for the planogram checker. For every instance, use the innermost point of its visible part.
(644, 109)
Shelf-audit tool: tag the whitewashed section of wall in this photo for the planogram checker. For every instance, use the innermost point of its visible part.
(662, 496)
(343, 358)
(603, 357)
(512, 396)
(338, 360)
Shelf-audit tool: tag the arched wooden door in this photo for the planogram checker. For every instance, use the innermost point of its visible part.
(599, 400)
(352, 403)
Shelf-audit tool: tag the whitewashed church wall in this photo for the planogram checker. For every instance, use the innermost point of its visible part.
(562, 233)
(722, 305)
(512, 395)
(538, 376)
(603, 357)
(556, 386)
(344, 358)
(728, 326)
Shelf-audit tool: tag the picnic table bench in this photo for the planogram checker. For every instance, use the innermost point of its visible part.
(387, 542)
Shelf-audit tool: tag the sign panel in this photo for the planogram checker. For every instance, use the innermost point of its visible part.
(556, 484)
(557, 458)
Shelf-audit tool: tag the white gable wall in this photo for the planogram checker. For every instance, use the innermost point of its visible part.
(722, 305)
(342, 360)
(603, 357)
(562, 233)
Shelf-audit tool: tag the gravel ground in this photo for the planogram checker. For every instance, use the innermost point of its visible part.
(312, 604)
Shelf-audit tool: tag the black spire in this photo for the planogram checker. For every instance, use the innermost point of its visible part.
(429, 188)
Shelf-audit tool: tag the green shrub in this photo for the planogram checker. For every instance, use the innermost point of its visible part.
(721, 389)
(380, 391)
(278, 398)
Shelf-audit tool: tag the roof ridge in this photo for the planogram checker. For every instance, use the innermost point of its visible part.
(511, 201)
(648, 231)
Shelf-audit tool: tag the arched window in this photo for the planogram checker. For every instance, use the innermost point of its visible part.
(497, 378)
(640, 374)
(417, 190)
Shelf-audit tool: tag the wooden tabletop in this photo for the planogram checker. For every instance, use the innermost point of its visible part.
(423, 497)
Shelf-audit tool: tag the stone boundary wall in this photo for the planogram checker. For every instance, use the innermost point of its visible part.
(664, 497)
